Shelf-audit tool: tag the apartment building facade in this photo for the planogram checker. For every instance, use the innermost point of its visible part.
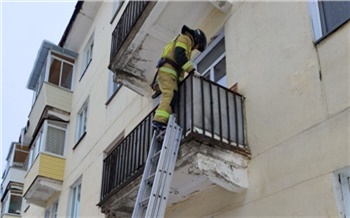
(265, 129)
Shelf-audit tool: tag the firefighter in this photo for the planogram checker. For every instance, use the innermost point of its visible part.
(172, 66)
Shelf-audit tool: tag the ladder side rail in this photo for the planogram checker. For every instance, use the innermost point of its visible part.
(169, 178)
(164, 168)
(147, 169)
(154, 196)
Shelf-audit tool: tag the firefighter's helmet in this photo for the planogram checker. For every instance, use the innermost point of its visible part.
(198, 36)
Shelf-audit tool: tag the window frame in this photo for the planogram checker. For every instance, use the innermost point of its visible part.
(40, 146)
(116, 9)
(6, 203)
(87, 55)
(82, 115)
(318, 21)
(341, 185)
(74, 208)
(201, 56)
(52, 57)
(112, 90)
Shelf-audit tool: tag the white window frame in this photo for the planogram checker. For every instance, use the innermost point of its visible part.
(74, 202)
(112, 86)
(210, 69)
(52, 57)
(51, 210)
(40, 143)
(341, 181)
(88, 54)
(81, 124)
(315, 16)
(6, 203)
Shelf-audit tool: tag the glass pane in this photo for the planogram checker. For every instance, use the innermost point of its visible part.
(55, 140)
(47, 213)
(212, 56)
(55, 70)
(54, 210)
(66, 80)
(335, 13)
(220, 70)
(73, 202)
(15, 204)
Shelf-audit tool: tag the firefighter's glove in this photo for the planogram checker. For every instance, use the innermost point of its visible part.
(196, 74)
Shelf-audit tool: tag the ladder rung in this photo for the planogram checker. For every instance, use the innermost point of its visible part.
(144, 202)
(161, 135)
(150, 179)
(156, 155)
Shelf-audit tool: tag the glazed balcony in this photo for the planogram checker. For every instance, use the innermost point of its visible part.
(44, 178)
(212, 151)
(52, 100)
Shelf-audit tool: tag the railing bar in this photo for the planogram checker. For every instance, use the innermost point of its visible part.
(192, 114)
(119, 164)
(114, 168)
(125, 157)
(203, 107)
(236, 119)
(228, 119)
(133, 153)
(220, 115)
(211, 110)
(103, 179)
(185, 109)
(242, 113)
(142, 144)
(122, 161)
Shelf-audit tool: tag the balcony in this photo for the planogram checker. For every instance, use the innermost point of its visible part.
(13, 175)
(141, 33)
(44, 178)
(52, 101)
(212, 151)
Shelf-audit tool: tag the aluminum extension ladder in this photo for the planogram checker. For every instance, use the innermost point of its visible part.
(157, 177)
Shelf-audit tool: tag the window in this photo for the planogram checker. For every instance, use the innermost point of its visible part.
(88, 53)
(113, 87)
(75, 199)
(342, 191)
(212, 62)
(81, 121)
(51, 139)
(116, 6)
(51, 211)
(327, 16)
(61, 72)
(12, 203)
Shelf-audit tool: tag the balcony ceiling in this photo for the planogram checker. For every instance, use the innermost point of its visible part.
(135, 65)
(41, 190)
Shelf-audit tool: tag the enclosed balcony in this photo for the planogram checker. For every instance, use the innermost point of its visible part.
(213, 150)
(15, 168)
(45, 163)
(52, 83)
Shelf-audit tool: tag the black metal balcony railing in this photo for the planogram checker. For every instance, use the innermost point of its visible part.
(206, 111)
(127, 21)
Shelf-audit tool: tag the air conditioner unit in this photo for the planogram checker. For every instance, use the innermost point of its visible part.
(223, 6)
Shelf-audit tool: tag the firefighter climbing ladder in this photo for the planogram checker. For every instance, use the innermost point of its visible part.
(157, 177)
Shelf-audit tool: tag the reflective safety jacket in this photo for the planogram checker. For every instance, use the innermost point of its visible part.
(178, 51)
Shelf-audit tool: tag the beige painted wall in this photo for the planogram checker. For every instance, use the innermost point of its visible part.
(296, 124)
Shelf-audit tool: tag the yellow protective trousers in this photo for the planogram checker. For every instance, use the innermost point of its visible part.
(168, 84)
